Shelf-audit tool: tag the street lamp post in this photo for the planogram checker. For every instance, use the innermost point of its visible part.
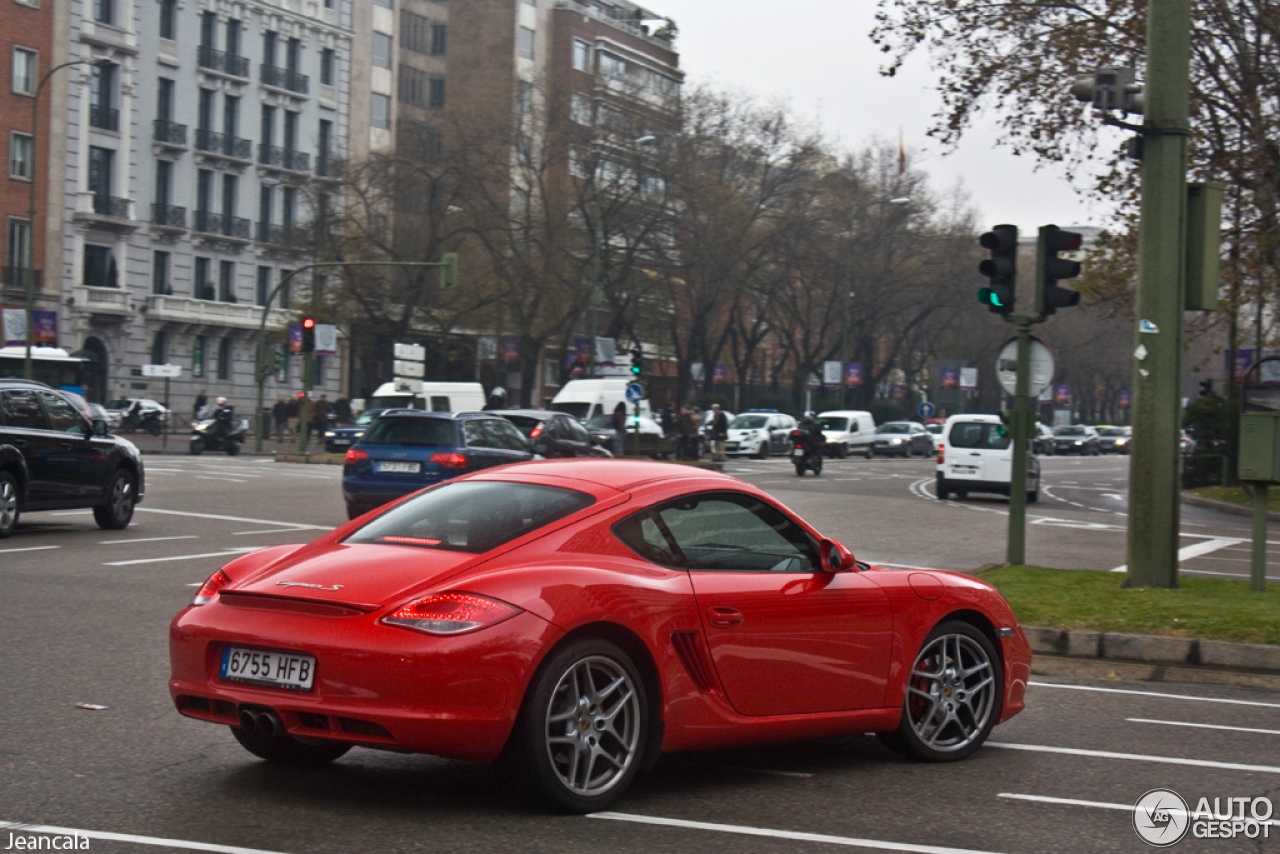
(29, 273)
(848, 284)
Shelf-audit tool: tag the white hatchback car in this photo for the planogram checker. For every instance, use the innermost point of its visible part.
(976, 455)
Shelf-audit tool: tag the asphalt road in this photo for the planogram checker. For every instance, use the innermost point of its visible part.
(83, 619)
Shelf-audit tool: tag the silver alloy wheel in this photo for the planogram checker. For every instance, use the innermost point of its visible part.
(8, 504)
(121, 496)
(593, 726)
(952, 693)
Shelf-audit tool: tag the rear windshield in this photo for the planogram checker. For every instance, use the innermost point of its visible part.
(894, 428)
(749, 422)
(1068, 431)
(410, 430)
(980, 435)
(368, 415)
(524, 423)
(576, 409)
(119, 403)
(1113, 431)
(474, 517)
(829, 423)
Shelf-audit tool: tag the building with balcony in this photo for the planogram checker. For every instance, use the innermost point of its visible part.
(192, 146)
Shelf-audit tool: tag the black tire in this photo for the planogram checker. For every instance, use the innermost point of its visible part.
(1034, 495)
(943, 491)
(197, 446)
(871, 452)
(232, 448)
(763, 453)
(800, 467)
(286, 750)
(817, 467)
(548, 763)
(9, 509)
(957, 677)
(117, 511)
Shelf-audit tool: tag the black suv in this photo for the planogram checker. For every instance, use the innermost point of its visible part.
(553, 434)
(53, 457)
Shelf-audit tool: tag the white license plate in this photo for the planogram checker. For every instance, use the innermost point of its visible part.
(405, 468)
(342, 441)
(283, 670)
(798, 452)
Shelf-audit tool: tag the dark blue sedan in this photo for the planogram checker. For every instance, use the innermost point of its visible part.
(405, 450)
(338, 439)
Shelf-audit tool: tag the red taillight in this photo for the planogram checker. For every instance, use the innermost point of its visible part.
(537, 431)
(355, 455)
(449, 460)
(451, 614)
(942, 454)
(210, 588)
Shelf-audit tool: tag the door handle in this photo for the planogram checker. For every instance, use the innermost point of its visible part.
(66, 446)
(724, 618)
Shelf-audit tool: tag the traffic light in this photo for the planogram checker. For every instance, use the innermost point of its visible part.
(1001, 268)
(1051, 268)
(637, 362)
(308, 335)
(449, 272)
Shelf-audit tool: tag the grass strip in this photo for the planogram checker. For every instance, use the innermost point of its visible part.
(1204, 608)
(1236, 495)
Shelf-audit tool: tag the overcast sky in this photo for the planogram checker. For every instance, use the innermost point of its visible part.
(815, 54)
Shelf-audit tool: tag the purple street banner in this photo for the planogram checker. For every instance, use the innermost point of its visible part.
(853, 373)
(1062, 393)
(582, 350)
(899, 391)
(1244, 358)
(44, 327)
(510, 345)
(295, 337)
(721, 373)
(1123, 398)
(950, 377)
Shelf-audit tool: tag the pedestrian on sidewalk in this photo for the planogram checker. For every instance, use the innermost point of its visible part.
(292, 413)
(688, 430)
(202, 400)
(280, 414)
(719, 432)
(319, 417)
(619, 424)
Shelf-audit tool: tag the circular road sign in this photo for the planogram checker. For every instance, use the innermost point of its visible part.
(635, 392)
(926, 409)
(1041, 366)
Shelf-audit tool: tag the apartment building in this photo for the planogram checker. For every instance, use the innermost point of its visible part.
(192, 146)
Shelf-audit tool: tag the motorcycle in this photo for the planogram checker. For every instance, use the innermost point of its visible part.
(806, 453)
(148, 421)
(215, 434)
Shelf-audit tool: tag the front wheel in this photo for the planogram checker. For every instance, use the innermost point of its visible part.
(800, 467)
(583, 727)
(232, 448)
(817, 467)
(953, 696)
(197, 445)
(117, 512)
(286, 750)
(8, 504)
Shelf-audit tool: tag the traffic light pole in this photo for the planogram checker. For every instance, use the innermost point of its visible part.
(1016, 554)
(1154, 490)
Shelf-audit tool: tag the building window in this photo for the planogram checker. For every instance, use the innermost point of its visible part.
(227, 281)
(104, 11)
(34, 4)
(435, 99)
(24, 71)
(577, 168)
(164, 181)
(386, 4)
(439, 36)
(20, 155)
(225, 349)
(100, 267)
(102, 98)
(160, 274)
(581, 55)
(415, 33)
(160, 349)
(326, 66)
(380, 111)
(612, 67)
(204, 287)
(18, 244)
(413, 86)
(524, 43)
(197, 356)
(524, 96)
(286, 292)
(580, 108)
(382, 50)
(101, 161)
(264, 286)
(164, 99)
(168, 19)
(288, 206)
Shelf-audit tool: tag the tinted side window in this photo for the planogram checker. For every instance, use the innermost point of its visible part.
(577, 431)
(21, 409)
(736, 533)
(474, 435)
(62, 415)
(440, 404)
(503, 435)
(979, 435)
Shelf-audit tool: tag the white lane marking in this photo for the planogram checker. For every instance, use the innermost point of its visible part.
(1154, 694)
(149, 540)
(1205, 726)
(298, 525)
(28, 549)
(1136, 757)
(227, 479)
(72, 513)
(223, 553)
(265, 531)
(1195, 550)
(1227, 574)
(743, 830)
(1074, 802)
(19, 828)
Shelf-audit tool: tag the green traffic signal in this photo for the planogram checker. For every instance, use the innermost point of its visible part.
(1001, 268)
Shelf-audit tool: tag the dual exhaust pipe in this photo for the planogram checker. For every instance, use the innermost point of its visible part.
(262, 721)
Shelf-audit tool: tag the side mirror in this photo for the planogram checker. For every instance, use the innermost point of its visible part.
(835, 557)
(100, 427)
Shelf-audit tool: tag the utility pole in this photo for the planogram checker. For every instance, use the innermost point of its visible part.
(1154, 490)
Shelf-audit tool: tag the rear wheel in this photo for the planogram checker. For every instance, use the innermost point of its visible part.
(197, 446)
(943, 491)
(871, 452)
(8, 504)
(800, 469)
(953, 696)
(232, 448)
(286, 750)
(117, 512)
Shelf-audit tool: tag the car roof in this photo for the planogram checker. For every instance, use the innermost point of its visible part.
(544, 414)
(621, 475)
(443, 416)
(18, 382)
(982, 418)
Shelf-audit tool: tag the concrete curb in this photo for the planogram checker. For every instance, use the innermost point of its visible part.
(1154, 657)
(1225, 506)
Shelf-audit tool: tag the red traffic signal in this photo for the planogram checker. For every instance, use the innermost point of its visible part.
(308, 335)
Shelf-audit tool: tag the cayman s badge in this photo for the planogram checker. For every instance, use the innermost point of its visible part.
(312, 586)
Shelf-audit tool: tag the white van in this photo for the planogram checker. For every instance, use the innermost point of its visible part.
(976, 455)
(587, 399)
(848, 431)
(433, 397)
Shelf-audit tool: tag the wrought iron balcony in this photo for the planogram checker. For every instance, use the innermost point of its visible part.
(169, 133)
(227, 63)
(110, 206)
(221, 144)
(223, 225)
(104, 118)
(331, 167)
(284, 78)
(168, 216)
(281, 235)
(16, 278)
(283, 158)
